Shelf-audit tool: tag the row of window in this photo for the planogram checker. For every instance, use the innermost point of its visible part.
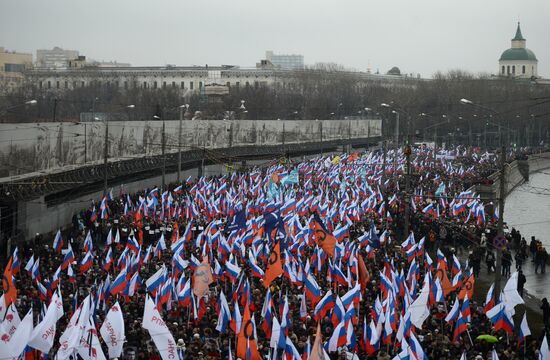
(507, 70)
(144, 85)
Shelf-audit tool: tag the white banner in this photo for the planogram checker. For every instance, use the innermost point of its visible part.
(112, 331)
(43, 335)
(90, 348)
(159, 332)
(12, 347)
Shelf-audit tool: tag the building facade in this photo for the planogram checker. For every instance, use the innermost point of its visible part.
(286, 62)
(185, 79)
(55, 58)
(518, 61)
(12, 66)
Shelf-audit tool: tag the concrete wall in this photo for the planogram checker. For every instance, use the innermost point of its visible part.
(36, 217)
(516, 173)
(26, 148)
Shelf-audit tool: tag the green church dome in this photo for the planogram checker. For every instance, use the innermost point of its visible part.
(518, 54)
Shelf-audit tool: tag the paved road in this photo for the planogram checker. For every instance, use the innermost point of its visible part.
(536, 287)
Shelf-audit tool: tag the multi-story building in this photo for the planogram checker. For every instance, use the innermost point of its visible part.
(55, 58)
(287, 62)
(12, 66)
(185, 79)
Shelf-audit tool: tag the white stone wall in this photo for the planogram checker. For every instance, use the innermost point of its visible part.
(63, 80)
(32, 147)
(530, 68)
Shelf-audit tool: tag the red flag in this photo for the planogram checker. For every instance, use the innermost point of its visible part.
(274, 266)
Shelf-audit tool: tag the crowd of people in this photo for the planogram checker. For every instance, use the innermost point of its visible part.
(301, 261)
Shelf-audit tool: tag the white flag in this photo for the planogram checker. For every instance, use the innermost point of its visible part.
(30, 264)
(11, 321)
(90, 348)
(112, 331)
(71, 337)
(419, 309)
(159, 332)
(15, 345)
(275, 333)
(43, 334)
(544, 352)
(510, 294)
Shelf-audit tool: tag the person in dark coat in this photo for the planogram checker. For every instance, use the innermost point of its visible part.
(545, 312)
(533, 248)
(490, 261)
(540, 260)
(519, 260)
(521, 282)
(506, 262)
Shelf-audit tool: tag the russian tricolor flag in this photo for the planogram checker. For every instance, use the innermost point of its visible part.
(232, 271)
(86, 262)
(499, 318)
(341, 233)
(326, 304)
(16, 263)
(108, 259)
(58, 242)
(184, 296)
(288, 207)
(120, 283)
(313, 291)
(224, 316)
(461, 326)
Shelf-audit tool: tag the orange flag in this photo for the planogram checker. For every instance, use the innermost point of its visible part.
(445, 283)
(467, 288)
(324, 240)
(246, 338)
(202, 277)
(274, 265)
(364, 276)
(317, 351)
(10, 292)
(175, 234)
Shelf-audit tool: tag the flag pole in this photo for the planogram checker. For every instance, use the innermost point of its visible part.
(469, 337)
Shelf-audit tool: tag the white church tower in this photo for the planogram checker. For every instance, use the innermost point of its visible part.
(518, 61)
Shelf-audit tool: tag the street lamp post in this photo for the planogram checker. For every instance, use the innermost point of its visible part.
(105, 156)
(163, 145)
(186, 106)
(9, 108)
(502, 196)
(106, 149)
(396, 128)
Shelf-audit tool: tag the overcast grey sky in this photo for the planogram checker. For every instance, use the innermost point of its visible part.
(418, 36)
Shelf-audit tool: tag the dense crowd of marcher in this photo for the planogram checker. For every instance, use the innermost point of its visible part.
(352, 282)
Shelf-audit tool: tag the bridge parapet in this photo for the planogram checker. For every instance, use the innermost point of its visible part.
(27, 148)
(38, 159)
